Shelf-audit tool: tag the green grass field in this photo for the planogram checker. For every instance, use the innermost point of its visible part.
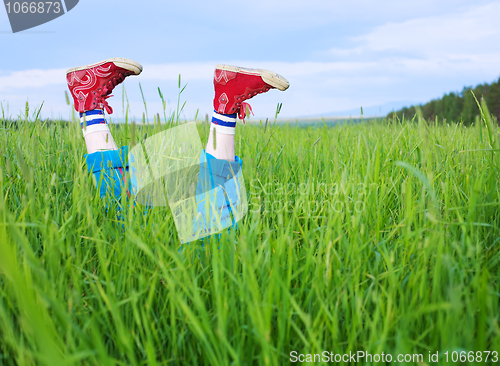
(375, 237)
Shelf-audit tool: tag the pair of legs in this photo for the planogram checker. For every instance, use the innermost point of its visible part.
(91, 85)
(220, 147)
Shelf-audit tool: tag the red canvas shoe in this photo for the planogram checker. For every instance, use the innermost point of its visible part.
(91, 85)
(233, 85)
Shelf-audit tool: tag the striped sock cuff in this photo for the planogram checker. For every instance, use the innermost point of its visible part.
(100, 127)
(224, 123)
(92, 117)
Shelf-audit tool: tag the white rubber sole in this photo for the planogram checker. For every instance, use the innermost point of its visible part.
(271, 78)
(124, 63)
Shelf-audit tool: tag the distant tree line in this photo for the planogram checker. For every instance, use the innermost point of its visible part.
(458, 107)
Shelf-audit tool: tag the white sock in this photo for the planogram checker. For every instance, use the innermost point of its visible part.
(96, 131)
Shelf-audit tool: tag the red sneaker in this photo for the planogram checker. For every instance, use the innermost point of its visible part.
(91, 85)
(233, 85)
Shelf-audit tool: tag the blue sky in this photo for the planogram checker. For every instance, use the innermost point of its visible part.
(337, 55)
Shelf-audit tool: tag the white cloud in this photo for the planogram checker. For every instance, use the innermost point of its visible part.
(454, 35)
(35, 78)
(474, 29)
